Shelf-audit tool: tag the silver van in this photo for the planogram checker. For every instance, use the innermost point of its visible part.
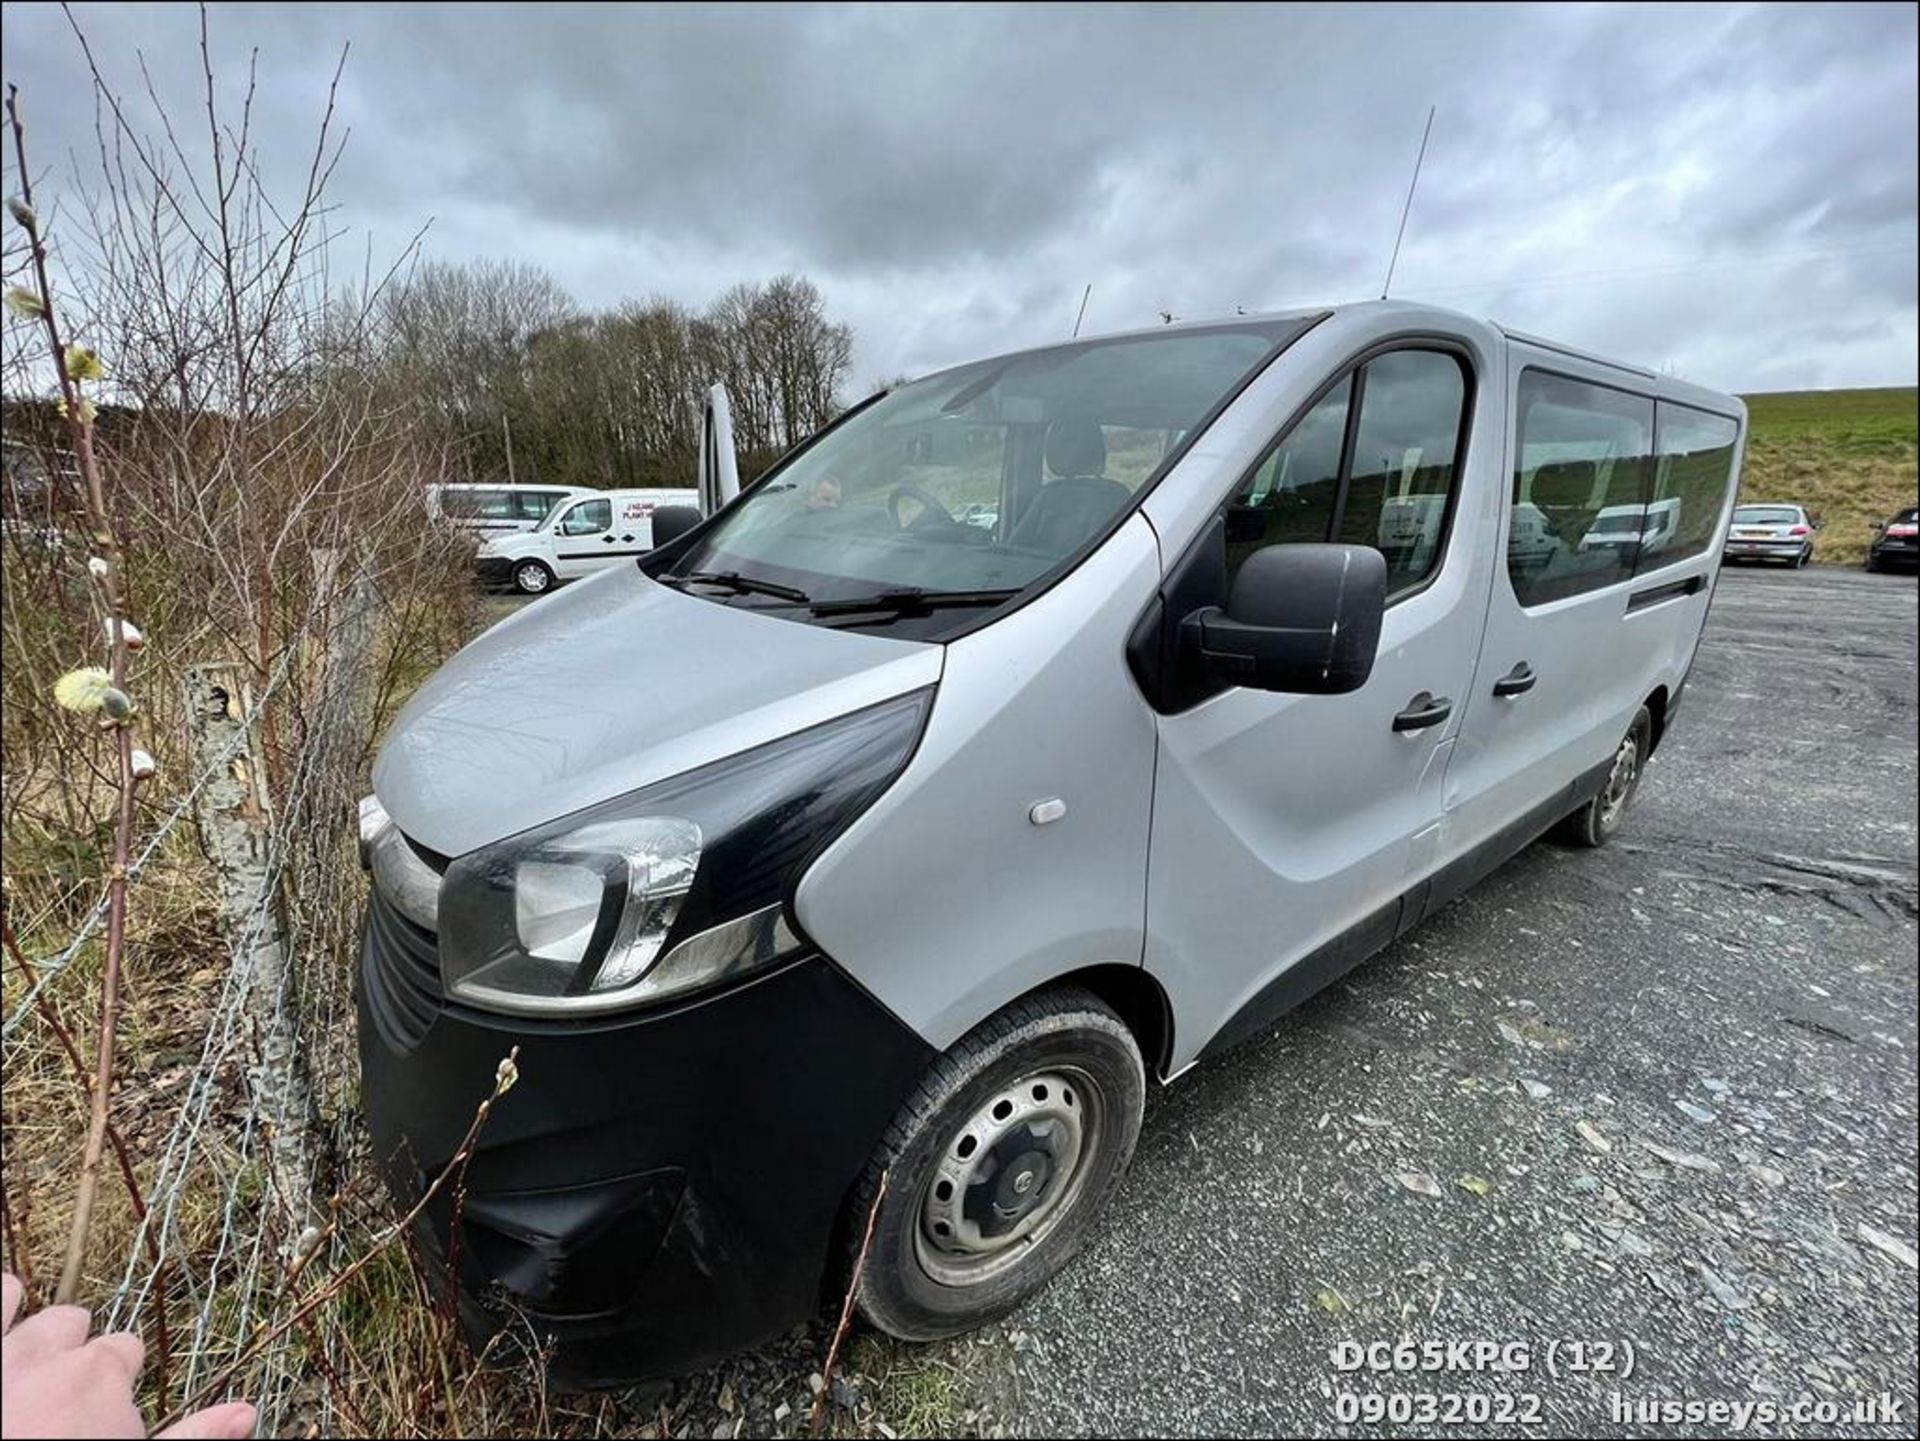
(1038, 729)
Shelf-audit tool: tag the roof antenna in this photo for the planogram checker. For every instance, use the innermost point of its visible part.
(1407, 209)
(1088, 295)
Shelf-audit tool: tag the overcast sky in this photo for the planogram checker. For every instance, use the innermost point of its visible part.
(1728, 192)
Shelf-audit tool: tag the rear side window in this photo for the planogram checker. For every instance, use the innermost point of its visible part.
(1692, 472)
(1384, 478)
(1580, 488)
(535, 504)
(477, 504)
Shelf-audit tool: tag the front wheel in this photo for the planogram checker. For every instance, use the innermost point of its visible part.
(998, 1164)
(530, 577)
(1596, 821)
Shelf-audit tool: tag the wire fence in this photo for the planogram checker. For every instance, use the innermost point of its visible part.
(213, 1257)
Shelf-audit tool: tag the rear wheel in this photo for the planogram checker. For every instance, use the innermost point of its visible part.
(998, 1164)
(530, 577)
(1806, 554)
(1596, 821)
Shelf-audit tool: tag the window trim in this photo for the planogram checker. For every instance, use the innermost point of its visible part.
(1513, 429)
(1354, 369)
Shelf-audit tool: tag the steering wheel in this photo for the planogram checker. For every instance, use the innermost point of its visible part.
(930, 506)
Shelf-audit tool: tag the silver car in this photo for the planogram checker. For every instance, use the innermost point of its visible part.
(844, 874)
(1771, 532)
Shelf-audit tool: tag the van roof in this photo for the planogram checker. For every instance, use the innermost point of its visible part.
(1413, 312)
(504, 485)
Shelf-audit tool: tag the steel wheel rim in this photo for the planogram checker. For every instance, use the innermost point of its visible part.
(531, 578)
(1006, 1178)
(1626, 769)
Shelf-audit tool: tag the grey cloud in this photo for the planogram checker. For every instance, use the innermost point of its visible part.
(952, 177)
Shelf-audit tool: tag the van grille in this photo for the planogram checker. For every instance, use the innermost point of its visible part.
(400, 968)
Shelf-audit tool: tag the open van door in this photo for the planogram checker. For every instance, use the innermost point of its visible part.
(719, 472)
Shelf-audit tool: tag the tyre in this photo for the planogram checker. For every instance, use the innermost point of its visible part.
(1800, 561)
(530, 577)
(998, 1164)
(1596, 821)
(1873, 563)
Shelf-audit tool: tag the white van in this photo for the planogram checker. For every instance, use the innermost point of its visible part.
(1645, 529)
(489, 510)
(845, 837)
(592, 530)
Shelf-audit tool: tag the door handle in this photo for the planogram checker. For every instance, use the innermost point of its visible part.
(1425, 709)
(1517, 681)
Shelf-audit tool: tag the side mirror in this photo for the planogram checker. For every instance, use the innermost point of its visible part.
(670, 522)
(1303, 619)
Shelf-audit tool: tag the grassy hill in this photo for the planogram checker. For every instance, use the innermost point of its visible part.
(1847, 455)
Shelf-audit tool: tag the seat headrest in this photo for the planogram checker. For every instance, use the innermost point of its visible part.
(1076, 448)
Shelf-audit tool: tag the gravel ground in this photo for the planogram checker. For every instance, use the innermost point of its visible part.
(1659, 1097)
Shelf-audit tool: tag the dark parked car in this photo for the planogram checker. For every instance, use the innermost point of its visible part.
(1898, 542)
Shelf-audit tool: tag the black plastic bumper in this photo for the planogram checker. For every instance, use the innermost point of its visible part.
(658, 1190)
(1894, 553)
(494, 571)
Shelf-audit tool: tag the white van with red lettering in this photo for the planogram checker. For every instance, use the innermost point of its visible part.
(594, 530)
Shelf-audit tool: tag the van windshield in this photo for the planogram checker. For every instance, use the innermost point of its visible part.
(980, 481)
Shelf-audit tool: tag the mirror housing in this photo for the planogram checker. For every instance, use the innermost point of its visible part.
(670, 522)
(1303, 619)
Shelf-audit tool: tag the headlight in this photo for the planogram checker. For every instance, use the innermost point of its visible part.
(681, 885)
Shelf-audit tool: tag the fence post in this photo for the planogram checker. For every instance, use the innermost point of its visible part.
(235, 819)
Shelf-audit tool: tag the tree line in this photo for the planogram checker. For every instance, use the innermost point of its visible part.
(519, 380)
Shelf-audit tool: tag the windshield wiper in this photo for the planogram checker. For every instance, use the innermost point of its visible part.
(910, 600)
(739, 584)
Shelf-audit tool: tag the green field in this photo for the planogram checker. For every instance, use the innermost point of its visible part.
(1847, 455)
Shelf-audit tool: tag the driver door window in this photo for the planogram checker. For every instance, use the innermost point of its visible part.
(589, 517)
(1385, 481)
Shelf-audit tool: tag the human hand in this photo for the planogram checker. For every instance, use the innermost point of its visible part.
(55, 1382)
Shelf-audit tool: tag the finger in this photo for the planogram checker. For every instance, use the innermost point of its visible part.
(58, 1328)
(126, 1350)
(234, 1420)
(10, 1293)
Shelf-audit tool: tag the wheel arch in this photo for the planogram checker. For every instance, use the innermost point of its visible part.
(1137, 997)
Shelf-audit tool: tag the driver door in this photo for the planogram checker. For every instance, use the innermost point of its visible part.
(582, 538)
(1288, 829)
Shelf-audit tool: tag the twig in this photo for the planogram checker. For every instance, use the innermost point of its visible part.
(846, 1310)
(455, 1169)
(163, 1361)
(80, 432)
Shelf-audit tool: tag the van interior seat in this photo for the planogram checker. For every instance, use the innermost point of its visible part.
(1562, 490)
(1080, 499)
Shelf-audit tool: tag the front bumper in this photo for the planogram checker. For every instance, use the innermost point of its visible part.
(659, 1189)
(494, 571)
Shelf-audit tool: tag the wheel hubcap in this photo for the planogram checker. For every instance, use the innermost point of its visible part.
(1007, 1175)
(1626, 768)
(533, 578)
